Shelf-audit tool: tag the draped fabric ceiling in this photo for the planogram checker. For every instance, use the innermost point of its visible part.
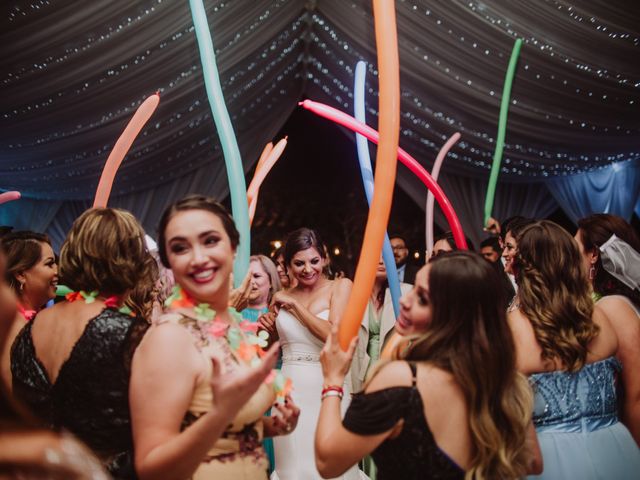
(73, 72)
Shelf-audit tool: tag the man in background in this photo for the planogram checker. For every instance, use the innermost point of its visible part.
(406, 271)
(490, 249)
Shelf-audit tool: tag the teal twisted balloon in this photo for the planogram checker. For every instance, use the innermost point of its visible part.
(233, 161)
(502, 129)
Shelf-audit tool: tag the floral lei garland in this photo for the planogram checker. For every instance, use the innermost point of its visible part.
(113, 301)
(243, 337)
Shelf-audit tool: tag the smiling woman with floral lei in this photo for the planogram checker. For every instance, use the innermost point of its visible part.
(199, 388)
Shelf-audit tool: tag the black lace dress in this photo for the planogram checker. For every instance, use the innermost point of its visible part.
(90, 396)
(411, 455)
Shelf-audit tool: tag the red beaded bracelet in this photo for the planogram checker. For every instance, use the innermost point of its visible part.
(332, 391)
(333, 388)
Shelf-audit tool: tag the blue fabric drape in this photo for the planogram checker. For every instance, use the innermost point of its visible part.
(614, 189)
(29, 214)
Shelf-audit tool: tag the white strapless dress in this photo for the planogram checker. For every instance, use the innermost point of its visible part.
(295, 458)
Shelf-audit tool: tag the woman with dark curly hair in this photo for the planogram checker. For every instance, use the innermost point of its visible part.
(567, 347)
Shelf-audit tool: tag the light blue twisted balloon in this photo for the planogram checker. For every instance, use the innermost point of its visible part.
(233, 161)
(367, 179)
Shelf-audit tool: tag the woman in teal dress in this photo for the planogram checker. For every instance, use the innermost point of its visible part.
(567, 346)
(264, 283)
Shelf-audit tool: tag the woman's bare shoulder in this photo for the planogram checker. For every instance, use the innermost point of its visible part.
(341, 286)
(396, 373)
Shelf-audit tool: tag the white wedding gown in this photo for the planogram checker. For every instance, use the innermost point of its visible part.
(295, 458)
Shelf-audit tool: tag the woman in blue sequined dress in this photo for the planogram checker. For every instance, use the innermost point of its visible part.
(567, 347)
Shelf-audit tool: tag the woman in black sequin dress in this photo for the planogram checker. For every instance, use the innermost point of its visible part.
(452, 404)
(71, 364)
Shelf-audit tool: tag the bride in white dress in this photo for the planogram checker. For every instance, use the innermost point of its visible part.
(305, 314)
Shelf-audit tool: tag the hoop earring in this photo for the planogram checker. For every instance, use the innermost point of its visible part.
(592, 272)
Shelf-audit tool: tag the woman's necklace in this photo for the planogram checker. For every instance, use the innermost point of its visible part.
(27, 314)
(242, 336)
(113, 301)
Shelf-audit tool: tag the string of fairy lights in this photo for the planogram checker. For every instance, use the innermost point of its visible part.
(547, 162)
(311, 48)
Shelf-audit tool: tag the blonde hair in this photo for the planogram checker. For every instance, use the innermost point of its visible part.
(469, 337)
(270, 268)
(554, 293)
(105, 251)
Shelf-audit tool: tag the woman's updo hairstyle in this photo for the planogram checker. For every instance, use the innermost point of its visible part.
(105, 251)
(195, 202)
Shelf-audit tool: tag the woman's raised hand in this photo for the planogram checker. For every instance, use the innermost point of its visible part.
(233, 389)
(335, 362)
(239, 297)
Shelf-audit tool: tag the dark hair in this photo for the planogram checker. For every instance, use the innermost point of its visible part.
(492, 242)
(469, 337)
(23, 251)
(195, 202)
(514, 225)
(301, 239)
(277, 252)
(400, 236)
(450, 239)
(595, 230)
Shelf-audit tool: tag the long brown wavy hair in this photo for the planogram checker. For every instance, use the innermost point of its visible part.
(470, 338)
(554, 293)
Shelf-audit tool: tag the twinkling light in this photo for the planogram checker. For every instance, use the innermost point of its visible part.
(548, 162)
(314, 53)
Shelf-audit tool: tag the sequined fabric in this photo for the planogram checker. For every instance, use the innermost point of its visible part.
(90, 396)
(576, 420)
(580, 401)
(411, 455)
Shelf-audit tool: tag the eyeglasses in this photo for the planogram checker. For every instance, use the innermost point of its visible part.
(398, 248)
